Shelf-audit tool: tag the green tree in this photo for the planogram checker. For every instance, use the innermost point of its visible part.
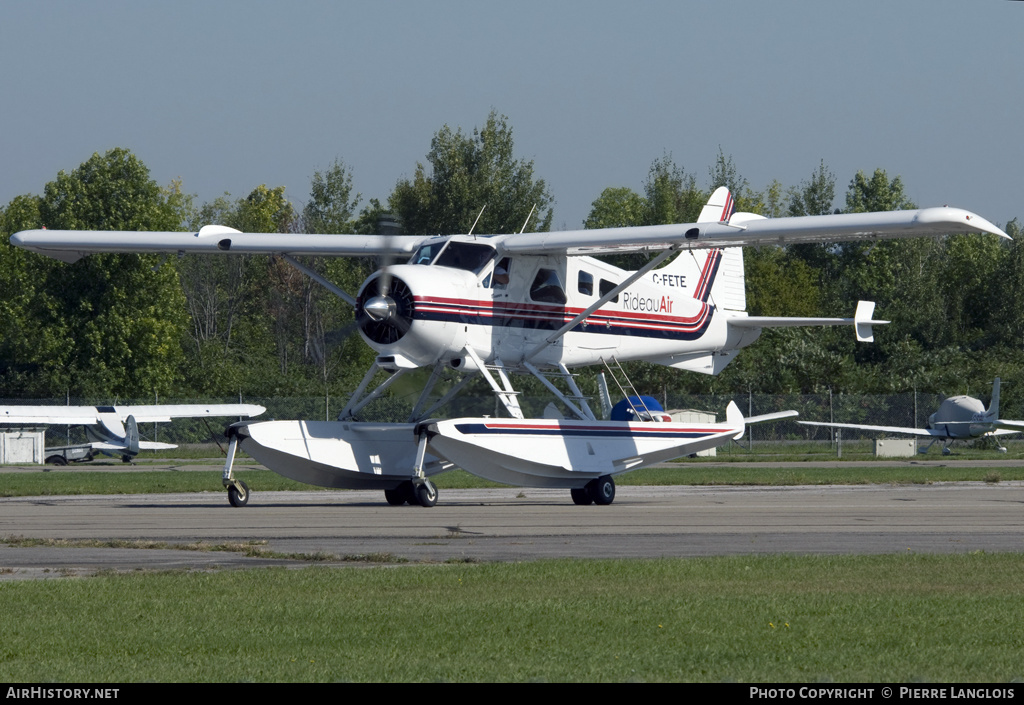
(672, 194)
(468, 173)
(123, 313)
(616, 208)
(30, 353)
(815, 196)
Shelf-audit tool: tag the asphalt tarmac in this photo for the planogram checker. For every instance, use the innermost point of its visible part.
(507, 524)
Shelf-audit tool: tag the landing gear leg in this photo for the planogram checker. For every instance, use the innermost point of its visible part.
(238, 491)
(424, 491)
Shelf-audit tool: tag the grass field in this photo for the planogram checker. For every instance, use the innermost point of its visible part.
(892, 618)
(764, 619)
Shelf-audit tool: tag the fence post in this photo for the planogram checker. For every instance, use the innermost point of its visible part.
(750, 412)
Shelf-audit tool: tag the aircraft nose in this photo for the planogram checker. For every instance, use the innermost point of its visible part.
(385, 310)
(380, 308)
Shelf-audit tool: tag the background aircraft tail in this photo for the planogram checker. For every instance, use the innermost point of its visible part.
(131, 436)
(715, 277)
(992, 413)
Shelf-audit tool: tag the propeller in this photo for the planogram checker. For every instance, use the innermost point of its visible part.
(384, 309)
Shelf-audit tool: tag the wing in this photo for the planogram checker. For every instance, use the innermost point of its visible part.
(166, 412)
(1009, 426)
(740, 230)
(747, 229)
(926, 432)
(72, 245)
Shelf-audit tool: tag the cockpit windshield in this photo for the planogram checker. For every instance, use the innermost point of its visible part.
(426, 253)
(470, 256)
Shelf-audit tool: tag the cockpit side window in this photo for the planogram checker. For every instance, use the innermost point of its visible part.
(547, 287)
(501, 273)
(465, 255)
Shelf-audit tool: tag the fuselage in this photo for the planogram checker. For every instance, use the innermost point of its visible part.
(961, 417)
(457, 293)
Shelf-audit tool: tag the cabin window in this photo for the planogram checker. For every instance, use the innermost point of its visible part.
(469, 256)
(607, 286)
(585, 284)
(547, 287)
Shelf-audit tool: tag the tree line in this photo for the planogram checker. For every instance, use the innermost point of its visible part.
(128, 325)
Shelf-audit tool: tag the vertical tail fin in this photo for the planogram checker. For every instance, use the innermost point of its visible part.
(719, 207)
(734, 417)
(715, 277)
(131, 436)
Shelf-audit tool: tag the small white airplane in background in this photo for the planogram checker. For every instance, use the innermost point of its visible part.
(114, 429)
(531, 304)
(958, 418)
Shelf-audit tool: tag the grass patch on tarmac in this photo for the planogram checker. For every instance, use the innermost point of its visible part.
(139, 482)
(895, 618)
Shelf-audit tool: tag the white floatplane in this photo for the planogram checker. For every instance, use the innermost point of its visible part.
(532, 304)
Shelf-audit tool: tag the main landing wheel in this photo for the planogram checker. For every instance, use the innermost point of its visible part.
(426, 494)
(603, 489)
(581, 496)
(238, 495)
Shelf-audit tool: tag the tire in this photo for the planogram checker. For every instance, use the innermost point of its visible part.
(236, 497)
(603, 490)
(426, 494)
(581, 496)
(56, 460)
(398, 496)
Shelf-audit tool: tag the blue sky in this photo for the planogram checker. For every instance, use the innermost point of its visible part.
(229, 95)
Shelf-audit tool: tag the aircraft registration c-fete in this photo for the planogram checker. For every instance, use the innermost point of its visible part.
(532, 304)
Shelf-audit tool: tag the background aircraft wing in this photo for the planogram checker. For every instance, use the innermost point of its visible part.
(1010, 426)
(927, 432)
(71, 415)
(745, 229)
(166, 412)
(89, 415)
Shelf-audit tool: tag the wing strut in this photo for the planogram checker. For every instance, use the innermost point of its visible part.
(582, 411)
(506, 394)
(315, 276)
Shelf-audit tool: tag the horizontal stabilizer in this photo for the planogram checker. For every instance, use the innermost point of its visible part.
(926, 432)
(123, 447)
(776, 416)
(862, 321)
